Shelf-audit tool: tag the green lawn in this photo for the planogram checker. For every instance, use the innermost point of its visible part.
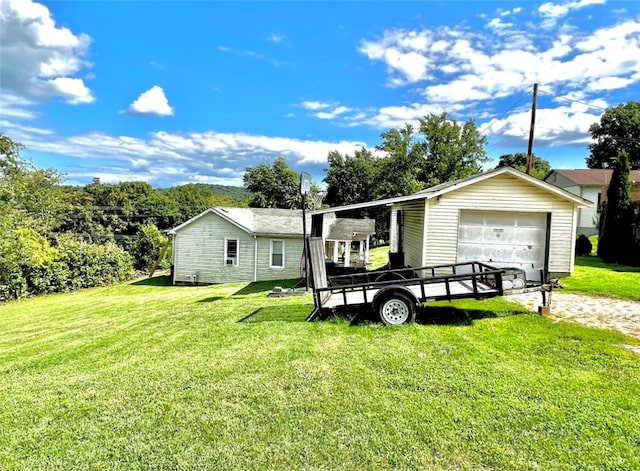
(148, 376)
(593, 276)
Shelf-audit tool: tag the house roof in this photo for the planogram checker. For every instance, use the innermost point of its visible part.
(592, 176)
(441, 189)
(256, 221)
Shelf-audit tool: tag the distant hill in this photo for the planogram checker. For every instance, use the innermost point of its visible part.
(237, 193)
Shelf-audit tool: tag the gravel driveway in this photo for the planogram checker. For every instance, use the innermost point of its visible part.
(592, 311)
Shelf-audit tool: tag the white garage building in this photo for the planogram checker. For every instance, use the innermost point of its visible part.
(502, 217)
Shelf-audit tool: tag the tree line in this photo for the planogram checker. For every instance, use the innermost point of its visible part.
(56, 237)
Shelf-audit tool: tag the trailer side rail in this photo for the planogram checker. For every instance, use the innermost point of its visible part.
(464, 280)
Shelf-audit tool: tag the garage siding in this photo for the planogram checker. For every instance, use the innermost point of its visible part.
(443, 218)
(413, 217)
(199, 250)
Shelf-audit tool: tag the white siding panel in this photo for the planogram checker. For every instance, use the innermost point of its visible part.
(292, 258)
(199, 252)
(587, 216)
(413, 232)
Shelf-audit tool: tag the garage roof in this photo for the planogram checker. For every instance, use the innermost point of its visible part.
(447, 187)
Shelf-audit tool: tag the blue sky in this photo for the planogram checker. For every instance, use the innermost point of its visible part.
(171, 92)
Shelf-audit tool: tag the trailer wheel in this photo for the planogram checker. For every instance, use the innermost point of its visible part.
(396, 309)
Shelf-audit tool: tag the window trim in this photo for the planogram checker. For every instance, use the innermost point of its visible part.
(271, 253)
(226, 252)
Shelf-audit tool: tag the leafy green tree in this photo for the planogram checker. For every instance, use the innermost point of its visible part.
(618, 129)
(398, 173)
(193, 198)
(350, 179)
(28, 196)
(518, 161)
(277, 186)
(450, 150)
(615, 243)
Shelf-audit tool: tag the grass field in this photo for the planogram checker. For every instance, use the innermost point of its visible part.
(595, 277)
(149, 376)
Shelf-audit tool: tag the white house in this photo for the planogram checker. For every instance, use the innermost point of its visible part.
(590, 184)
(502, 217)
(223, 245)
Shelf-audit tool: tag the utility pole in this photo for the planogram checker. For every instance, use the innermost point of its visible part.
(533, 124)
(305, 187)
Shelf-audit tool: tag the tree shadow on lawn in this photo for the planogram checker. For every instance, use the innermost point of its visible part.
(210, 299)
(596, 262)
(274, 314)
(164, 280)
(261, 286)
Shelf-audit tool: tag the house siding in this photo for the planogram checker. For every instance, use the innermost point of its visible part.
(199, 252)
(292, 258)
(441, 237)
(587, 221)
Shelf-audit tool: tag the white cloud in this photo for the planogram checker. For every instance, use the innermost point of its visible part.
(39, 58)
(276, 38)
(152, 102)
(314, 105)
(13, 106)
(165, 158)
(470, 67)
(498, 25)
(334, 113)
(564, 125)
(73, 88)
(553, 10)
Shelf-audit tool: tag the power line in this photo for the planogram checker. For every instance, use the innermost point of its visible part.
(489, 126)
(573, 101)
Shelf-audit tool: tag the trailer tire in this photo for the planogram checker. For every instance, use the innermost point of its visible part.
(396, 308)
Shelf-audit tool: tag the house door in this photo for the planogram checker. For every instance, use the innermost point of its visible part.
(504, 239)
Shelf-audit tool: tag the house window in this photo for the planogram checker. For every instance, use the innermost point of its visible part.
(231, 252)
(599, 205)
(276, 255)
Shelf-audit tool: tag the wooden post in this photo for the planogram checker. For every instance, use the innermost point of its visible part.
(162, 252)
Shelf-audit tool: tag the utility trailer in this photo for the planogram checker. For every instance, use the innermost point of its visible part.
(396, 294)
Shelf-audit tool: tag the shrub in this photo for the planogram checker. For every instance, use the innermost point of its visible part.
(583, 245)
(89, 265)
(71, 265)
(148, 247)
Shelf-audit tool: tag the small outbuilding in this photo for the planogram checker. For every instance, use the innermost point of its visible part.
(502, 217)
(346, 241)
(224, 245)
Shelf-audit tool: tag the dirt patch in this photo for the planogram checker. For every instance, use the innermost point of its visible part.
(600, 312)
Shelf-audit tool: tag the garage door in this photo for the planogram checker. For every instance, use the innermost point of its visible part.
(504, 239)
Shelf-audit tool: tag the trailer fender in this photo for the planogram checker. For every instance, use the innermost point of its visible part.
(395, 305)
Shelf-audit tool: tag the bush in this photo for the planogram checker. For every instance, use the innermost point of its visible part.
(71, 265)
(148, 247)
(89, 265)
(583, 245)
